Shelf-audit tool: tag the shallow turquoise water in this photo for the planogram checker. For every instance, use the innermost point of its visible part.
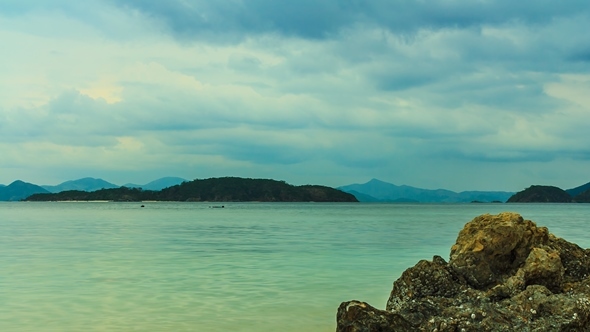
(247, 267)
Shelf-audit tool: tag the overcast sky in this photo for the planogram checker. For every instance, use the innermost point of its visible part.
(462, 95)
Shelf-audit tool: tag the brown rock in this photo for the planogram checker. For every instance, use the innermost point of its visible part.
(427, 278)
(355, 316)
(575, 260)
(505, 273)
(543, 268)
(490, 248)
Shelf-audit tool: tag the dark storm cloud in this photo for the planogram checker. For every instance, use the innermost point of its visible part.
(321, 19)
(306, 18)
(583, 56)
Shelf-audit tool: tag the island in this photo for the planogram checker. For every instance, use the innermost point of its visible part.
(224, 189)
(541, 194)
(551, 194)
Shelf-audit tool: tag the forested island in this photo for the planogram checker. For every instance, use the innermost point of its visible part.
(551, 194)
(225, 189)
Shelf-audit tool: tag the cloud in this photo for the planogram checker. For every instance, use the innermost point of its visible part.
(318, 20)
(423, 90)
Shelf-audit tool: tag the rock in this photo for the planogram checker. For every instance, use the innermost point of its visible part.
(543, 268)
(427, 278)
(355, 316)
(504, 273)
(491, 248)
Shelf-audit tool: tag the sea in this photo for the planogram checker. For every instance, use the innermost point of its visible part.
(103, 266)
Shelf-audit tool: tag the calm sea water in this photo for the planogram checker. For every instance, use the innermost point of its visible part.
(247, 267)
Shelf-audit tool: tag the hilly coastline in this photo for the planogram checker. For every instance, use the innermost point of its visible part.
(227, 189)
(18, 190)
(372, 191)
(380, 191)
(578, 190)
(158, 184)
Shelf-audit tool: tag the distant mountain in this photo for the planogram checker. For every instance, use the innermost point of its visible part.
(541, 194)
(578, 190)
(85, 184)
(362, 197)
(158, 184)
(485, 196)
(228, 189)
(19, 190)
(387, 192)
(583, 197)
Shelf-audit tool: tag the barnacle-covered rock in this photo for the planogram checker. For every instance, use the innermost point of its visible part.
(504, 273)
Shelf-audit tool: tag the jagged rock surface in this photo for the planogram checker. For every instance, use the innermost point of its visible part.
(504, 273)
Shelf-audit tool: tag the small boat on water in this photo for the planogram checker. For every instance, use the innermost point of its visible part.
(217, 206)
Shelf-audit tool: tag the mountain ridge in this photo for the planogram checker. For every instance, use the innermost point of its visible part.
(383, 191)
(19, 190)
(374, 190)
(157, 184)
(226, 189)
(578, 190)
(83, 184)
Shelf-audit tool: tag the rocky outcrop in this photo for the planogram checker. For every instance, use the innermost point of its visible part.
(504, 273)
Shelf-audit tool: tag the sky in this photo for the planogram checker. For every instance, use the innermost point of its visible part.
(454, 94)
